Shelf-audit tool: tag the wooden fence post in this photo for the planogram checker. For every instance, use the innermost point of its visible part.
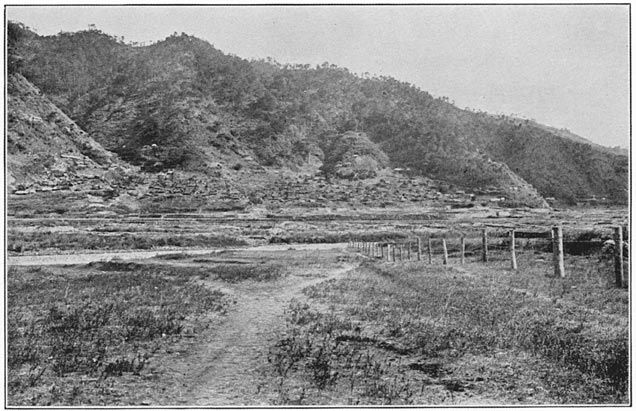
(462, 248)
(408, 251)
(419, 249)
(557, 250)
(382, 251)
(430, 251)
(401, 247)
(618, 256)
(393, 252)
(445, 251)
(513, 254)
(484, 245)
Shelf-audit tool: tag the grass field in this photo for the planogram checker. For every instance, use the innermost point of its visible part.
(110, 333)
(479, 333)
(95, 334)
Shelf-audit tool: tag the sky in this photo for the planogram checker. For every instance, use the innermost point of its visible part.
(566, 66)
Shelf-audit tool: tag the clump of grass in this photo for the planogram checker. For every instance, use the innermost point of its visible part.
(115, 265)
(328, 352)
(233, 273)
(65, 326)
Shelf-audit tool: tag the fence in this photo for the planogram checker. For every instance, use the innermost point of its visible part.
(412, 249)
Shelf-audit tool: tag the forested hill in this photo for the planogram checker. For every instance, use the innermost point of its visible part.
(181, 103)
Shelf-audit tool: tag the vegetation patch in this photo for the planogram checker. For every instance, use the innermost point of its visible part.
(352, 156)
(421, 334)
(340, 237)
(35, 241)
(70, 332)
(232, 273)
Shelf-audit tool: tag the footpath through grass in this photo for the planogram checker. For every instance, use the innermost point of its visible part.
(103, 333)
(415, 333)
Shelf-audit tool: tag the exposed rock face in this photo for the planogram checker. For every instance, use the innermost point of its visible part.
(47, 150)
(517, 191)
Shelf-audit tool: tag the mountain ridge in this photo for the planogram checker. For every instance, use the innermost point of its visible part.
(182, 104)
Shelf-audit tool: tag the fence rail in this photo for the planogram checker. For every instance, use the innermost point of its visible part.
(402, 250)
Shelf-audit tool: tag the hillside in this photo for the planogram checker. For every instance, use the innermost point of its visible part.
(182, 104)
(565, 133)
(45, 147)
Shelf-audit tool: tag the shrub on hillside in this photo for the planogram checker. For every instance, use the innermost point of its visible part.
(352, 155)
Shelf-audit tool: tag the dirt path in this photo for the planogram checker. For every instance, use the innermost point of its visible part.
(87, 257)
(224, 370)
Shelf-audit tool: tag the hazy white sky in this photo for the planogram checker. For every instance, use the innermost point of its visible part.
(565, 66)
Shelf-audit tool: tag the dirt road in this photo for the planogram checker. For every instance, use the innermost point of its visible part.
(225, 368)
(87, 257)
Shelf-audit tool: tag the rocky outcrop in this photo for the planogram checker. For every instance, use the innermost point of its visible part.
(47, 150)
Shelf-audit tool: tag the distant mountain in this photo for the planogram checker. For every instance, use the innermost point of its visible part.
(574, 137)
(182, 104)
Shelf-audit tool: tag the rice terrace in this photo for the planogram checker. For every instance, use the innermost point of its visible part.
(189, 228)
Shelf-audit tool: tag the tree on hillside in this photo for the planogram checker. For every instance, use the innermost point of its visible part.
(16, 33)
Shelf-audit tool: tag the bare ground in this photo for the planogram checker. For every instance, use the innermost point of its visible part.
(225, 367)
